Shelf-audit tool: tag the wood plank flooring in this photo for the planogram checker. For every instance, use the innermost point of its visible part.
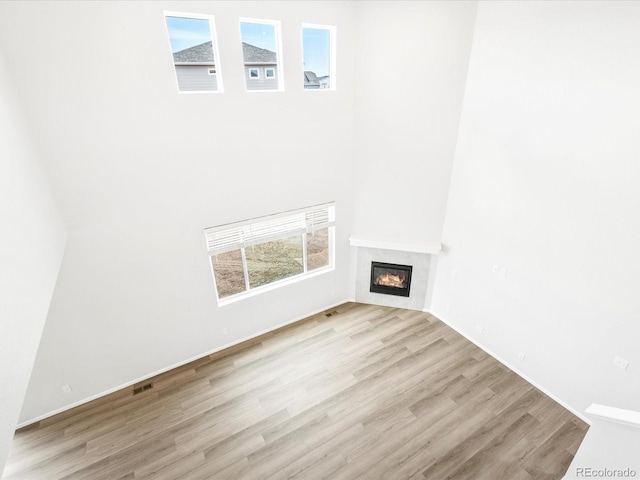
(360, 392)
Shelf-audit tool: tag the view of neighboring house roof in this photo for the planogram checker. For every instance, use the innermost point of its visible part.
(253, 54)
(311, 80)
(201, 54)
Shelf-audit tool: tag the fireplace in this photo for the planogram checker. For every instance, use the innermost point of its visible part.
(390, 279)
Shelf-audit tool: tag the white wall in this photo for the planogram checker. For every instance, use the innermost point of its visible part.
(143, 170)
(32, 239)
(545, 188)
(411, 69)
(607, 446)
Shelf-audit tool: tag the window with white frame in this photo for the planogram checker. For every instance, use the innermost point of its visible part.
(194, 52)
(256, 255)
(269, 73)
(319, 59)
(261, 47)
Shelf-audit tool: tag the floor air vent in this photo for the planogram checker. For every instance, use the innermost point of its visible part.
(328, 314)
(142, 388)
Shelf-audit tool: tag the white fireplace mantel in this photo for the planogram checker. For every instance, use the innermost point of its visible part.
(420, 247)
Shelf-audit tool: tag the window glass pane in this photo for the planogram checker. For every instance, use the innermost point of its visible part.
(260, 51)
(193, 49)
(318, 249)
(229, 273)
(272, 261)
(316, 46)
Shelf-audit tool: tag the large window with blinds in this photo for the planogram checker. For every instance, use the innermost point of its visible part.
(262, 253)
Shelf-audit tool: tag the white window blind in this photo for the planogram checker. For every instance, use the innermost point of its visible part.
(225, 238)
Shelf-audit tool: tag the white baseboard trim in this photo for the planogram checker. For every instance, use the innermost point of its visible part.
(614, 414)
(180, 364)
(513, 369)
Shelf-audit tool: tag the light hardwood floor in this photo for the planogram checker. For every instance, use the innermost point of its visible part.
(359, 392)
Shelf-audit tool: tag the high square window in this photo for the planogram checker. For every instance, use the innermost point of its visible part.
(260, 254)
(261, 53)
(194, 52)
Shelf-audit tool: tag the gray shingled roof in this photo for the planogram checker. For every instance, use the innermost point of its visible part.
(311, 79)
(202, 53)
(253, 54)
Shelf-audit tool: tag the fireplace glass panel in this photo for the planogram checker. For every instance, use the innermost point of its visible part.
(390, 278)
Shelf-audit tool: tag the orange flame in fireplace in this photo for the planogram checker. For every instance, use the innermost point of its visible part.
(389, 280)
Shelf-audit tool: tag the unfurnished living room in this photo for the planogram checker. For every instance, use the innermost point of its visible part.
(319, 239)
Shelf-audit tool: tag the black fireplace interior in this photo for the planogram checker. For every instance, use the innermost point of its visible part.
(390, 279)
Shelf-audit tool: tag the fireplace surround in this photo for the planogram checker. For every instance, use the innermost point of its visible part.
(421, 274)
(390, 279)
